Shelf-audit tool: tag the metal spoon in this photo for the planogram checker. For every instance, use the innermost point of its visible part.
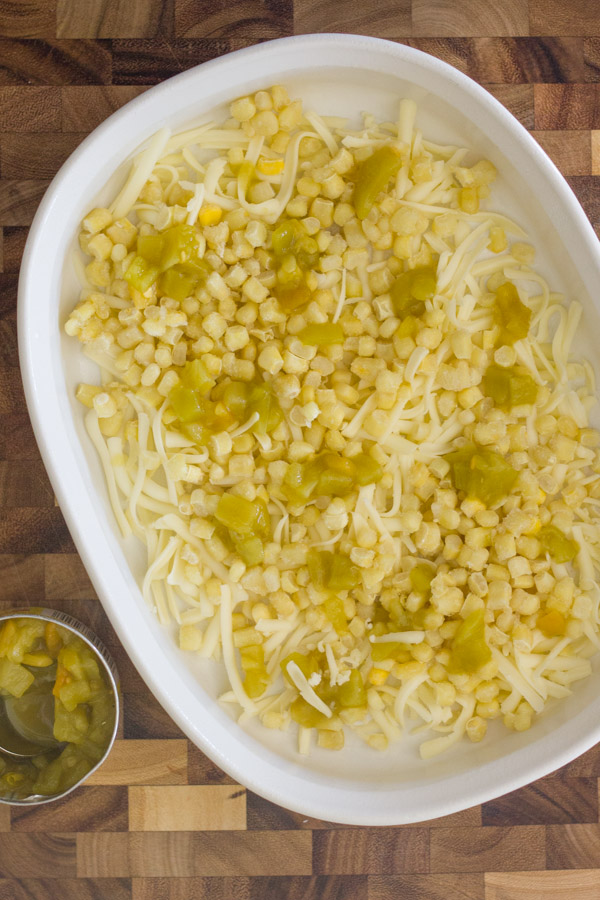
(27, 722)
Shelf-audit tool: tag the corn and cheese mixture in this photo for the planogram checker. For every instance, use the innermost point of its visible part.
(337, 404)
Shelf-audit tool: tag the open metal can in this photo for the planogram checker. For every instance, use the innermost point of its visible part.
(110, 679)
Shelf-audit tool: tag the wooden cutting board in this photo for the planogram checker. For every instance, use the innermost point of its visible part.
(159, 821)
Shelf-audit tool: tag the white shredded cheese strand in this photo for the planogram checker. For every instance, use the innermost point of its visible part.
(142, 169)
(305, 690)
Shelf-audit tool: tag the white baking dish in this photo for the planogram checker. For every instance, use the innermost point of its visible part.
(335, 74)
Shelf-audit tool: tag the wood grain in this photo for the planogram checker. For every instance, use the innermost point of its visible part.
(45, 855)
(556, 800)
(581, 885)
(83, 108)
(573, 846)
(183, 854)
(570, 106)
(54, 62)
(19, 200)
(70, 889)
(66, 578)
(159, 820)
(579, 17)
(471, 18)
(295, 887)
(88, 809)
(149, 62)
(518, 99)
(511, 60)
(571, 151)
(28, 18)
(262, 814)
(393, 19)
(483, 849)
(20, 157)
(591, 56)
(21, 578)
(252, 20)
(112, 19)
(29, 109)
(374, 851)
(144, 762)
(187, 808)
(13, 242)
(426, 887)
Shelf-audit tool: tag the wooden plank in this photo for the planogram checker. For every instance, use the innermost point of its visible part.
(391, 20)
(28, 18)
(510, 60)
(480, 849)
(83, 108)
(581, 885)
(144, 718)
(149, 62)
(29, 109)
(13, 244)
(595, 152)
(356, 851)
(113, 19)
(567, 106)
(185, 853)
(554, 800)
(262, 814)
(66, 578)
(70, 889)
(144, 762)
(86, 809)
(293, 887)
(20, 157)
(466, 886)
(54, 62)
(587, 189)
(247, 19)
(202, 770)
(34, 530)
(470, 18)
(573, 846)
(571, 151)
(579, 17)
(518, 99)
(44, 855)
(19, 200)
(21, 578)
(16, 435)
(23, 485)
(591, 57)
(187, 808)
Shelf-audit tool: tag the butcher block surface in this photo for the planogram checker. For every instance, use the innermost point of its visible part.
(159, 821)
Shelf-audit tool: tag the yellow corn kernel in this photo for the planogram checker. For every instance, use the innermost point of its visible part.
(378, 676)
(190, 637)
(498, 241)
(85, 393)
(330, 740)
(111, 426)
(97, 219)
(270, 166)
(210, 215)
(476, 728)
(468, 200)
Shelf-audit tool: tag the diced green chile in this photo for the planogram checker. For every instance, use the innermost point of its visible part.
(481, 473)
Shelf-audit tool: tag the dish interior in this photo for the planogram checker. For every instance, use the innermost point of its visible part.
(335, 91)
